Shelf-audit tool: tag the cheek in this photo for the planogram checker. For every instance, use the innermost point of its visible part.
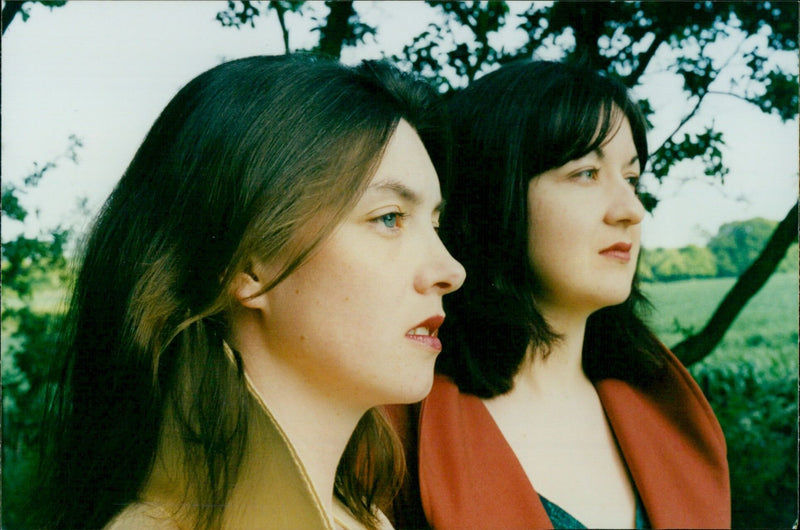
(636, 232)
(547, 218)
(348, 301)
(549, 235)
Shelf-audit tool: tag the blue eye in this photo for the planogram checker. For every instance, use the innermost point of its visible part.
(391, 220)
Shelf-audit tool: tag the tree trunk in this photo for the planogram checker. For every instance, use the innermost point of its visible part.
(698, 346)
(335, 30)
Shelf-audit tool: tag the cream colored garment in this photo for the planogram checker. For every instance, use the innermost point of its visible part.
(273, 490)
(345, 520)
(146, 516)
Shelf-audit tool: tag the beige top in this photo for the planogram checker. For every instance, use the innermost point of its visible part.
(273, 491)
(150, 516)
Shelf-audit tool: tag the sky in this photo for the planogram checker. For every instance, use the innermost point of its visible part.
(103, 71)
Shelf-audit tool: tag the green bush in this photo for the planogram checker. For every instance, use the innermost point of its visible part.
(26, 372)
(755, 401)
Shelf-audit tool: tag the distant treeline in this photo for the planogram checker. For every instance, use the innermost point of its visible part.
(727, 254)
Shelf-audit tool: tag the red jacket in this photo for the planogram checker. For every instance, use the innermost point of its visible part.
(467, 476)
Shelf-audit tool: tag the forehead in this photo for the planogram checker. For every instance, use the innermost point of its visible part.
(620, 131)
(405, 170)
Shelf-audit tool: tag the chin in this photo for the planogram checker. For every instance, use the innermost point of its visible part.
(416, 390)
(620, 298)
(610, 299)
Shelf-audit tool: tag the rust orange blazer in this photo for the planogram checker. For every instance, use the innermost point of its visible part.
(463, 474)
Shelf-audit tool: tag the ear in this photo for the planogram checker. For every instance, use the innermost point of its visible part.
(247, 289)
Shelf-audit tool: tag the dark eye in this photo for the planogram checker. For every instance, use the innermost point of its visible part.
(586, 174)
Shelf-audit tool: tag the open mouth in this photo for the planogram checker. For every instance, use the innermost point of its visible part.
(426, 333)
(423, 331)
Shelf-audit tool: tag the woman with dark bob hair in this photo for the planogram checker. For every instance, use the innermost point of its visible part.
(265, 273)
(554, 405)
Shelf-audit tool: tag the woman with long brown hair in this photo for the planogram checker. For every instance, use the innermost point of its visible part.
(265, 273)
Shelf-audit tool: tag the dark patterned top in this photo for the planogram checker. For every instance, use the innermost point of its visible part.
(561, 519)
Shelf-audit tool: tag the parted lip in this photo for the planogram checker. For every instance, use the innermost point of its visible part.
(430, 325)
(619, 247)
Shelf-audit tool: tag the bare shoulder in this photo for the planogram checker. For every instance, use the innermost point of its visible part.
(143, 516)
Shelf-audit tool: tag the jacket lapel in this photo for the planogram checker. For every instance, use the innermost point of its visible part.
(674, 449)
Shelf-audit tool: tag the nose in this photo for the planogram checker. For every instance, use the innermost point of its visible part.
(624, 206)
(439, 272)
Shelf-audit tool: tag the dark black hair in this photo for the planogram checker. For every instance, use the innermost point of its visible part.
(239, 164)
(508, 127)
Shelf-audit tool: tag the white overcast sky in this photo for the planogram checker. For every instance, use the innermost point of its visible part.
(104, 70)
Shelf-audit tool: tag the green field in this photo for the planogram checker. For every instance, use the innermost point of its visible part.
(765, 329)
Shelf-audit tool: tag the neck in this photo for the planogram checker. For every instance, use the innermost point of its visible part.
(560, 372)
(317, 426)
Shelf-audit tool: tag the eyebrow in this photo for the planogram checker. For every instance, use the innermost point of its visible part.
(599, 152)
(399, 189)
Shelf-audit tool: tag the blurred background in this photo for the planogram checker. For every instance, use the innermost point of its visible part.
(82, 82)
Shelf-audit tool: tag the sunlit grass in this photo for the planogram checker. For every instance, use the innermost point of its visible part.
(766, 327)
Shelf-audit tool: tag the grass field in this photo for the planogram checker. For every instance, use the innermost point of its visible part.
(766, 328)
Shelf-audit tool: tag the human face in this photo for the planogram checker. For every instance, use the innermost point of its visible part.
(584, 231)
(358, 321)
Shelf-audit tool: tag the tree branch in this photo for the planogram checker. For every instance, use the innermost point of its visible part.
(683, 122)
(644, 60)
(702, 95)
(9, 12)
(731, 94)
(698, 346)
(281, 12)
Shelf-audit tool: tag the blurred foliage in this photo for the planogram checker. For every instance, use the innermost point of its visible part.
(739, 243)
(756, 404)
(677, 264)
(341, 28)
(24, 258)
(621, 38)
(728, 254)
(31, 266)
(705, 146)
(14, 8)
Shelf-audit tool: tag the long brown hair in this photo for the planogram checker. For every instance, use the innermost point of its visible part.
(241, 160)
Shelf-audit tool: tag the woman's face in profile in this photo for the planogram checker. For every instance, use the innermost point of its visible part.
(359, 320)
(584, 231)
